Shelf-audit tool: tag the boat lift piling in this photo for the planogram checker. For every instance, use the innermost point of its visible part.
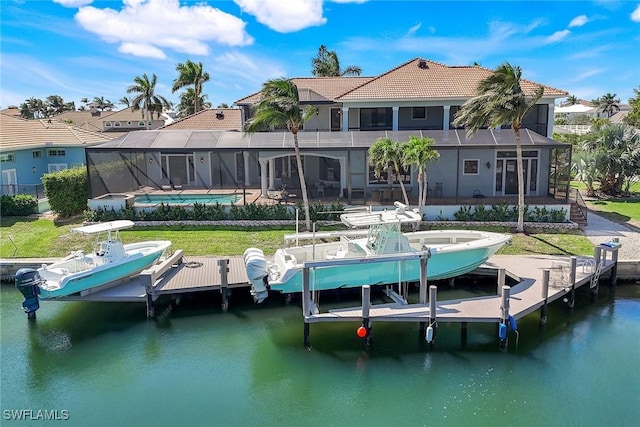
(431, 333)
(545, 296)
(505, 294)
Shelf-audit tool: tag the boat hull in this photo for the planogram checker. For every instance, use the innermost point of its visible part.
(68, 284)
(446, 261)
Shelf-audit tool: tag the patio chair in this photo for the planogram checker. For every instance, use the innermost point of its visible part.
(177, 184)
(319, 189)
(165, 185)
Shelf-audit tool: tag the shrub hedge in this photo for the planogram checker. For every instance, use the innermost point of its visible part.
(19, 205)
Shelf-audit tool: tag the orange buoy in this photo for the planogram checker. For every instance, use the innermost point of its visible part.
(362, 332)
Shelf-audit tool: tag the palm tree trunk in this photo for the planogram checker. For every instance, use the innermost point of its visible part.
(404, 191)
(520, 227)
(303, 184)
(196, 106)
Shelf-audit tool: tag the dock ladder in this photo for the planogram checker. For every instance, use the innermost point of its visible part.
(596, 275)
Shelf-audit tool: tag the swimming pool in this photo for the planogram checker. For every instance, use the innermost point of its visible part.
(187, 199)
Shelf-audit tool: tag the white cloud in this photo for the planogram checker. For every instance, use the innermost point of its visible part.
(557, 36)
(141, 49)
(635, 15)
(578, 21)
(285, 16)
(146, 27)
(414, 29)
(73, 3)
(588, 74)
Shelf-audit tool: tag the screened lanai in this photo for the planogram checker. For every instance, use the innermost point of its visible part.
(334, 162)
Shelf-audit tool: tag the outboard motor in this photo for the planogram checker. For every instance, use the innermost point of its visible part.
(27, 281)
(256, 266)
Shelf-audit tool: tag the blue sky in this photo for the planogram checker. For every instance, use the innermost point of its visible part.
(85, 48)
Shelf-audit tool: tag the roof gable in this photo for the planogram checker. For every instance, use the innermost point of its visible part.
(424, 79)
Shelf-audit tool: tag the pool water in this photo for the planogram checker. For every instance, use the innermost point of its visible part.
(187, 199)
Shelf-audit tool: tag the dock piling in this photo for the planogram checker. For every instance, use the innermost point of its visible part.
(463, 333)
(572, 282)
(223, 266)
(433, 295)
(423, 293)
(502, 277)
(366, 321)
(545, 296)
(614, 258)
(306, 303)
(506, 294)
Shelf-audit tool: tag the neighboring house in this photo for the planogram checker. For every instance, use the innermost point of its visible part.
(31, 148)
(572, 114)
(116, 123)
(418, 98)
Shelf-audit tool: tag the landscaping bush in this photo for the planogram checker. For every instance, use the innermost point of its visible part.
(199, 212)
(507, 213)
(19, 205)
(67, 191)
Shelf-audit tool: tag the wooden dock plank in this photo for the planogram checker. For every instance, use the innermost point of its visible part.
(525, 297)
(202, 273)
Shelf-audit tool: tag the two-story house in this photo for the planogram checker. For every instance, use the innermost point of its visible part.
(418, 98)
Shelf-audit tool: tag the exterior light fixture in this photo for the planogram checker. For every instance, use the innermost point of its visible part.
(488, 165)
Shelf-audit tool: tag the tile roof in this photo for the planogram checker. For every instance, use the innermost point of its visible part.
(316, 88)
(82, 119)
(17, 133)
(210, 119)
(424, 79)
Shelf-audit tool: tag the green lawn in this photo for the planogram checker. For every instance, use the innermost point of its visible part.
(623, 210)
(42, 238)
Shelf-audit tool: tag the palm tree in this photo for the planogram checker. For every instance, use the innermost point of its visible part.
(326, 64)
(55, 105)
(617, 155)
(187, 103)
(125, 100)
(607, 104)
(146, 97)
(103, 104)
(417, 152)
(32, 108)
(279, 106)
(191, 74)
(572, 100)
(585, 170)
(385, 153)
(501, 101)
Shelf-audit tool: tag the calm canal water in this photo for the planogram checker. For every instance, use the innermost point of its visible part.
(105, 364)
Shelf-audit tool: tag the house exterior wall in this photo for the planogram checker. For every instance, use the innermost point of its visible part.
(29, 169)
(433, 118)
